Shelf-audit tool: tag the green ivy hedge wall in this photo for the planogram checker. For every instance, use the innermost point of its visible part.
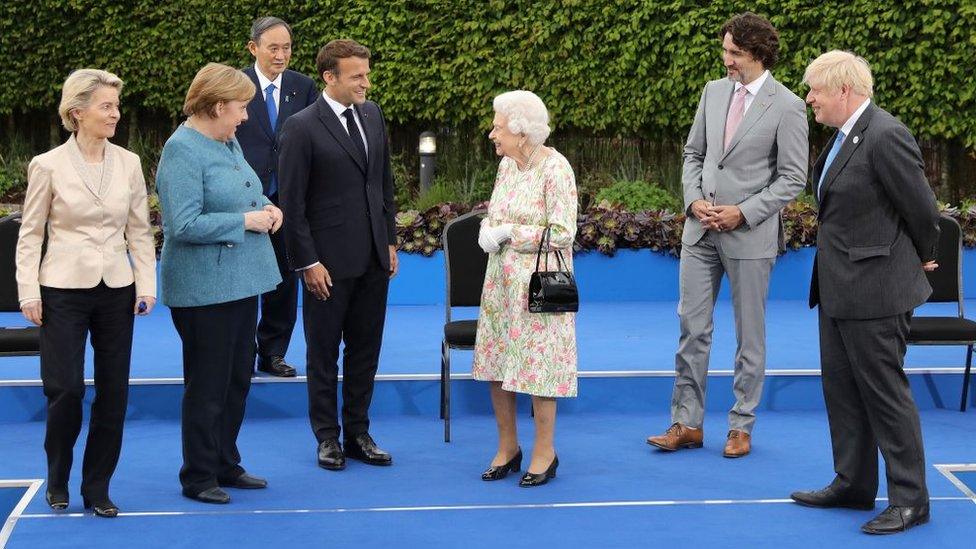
(606, 66)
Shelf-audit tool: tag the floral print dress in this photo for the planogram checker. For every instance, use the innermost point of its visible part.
(532, 353)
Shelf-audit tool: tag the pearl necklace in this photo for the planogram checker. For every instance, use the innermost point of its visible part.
(529, 162)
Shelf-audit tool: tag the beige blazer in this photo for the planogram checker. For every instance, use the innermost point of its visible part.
(96, 229)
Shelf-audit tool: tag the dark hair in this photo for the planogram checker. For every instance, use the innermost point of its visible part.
(330, 54)
(262, 25)
(754, 34)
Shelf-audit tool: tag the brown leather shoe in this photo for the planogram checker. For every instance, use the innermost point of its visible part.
(738, 445)
(678, 436)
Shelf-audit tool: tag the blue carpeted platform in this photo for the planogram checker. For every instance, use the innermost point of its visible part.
(612, 490)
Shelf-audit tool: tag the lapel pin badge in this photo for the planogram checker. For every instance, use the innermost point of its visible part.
(856, 139)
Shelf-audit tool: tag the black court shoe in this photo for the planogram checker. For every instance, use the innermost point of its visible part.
(538, 479)
(57, 499)
(498, 472)
(104, 508)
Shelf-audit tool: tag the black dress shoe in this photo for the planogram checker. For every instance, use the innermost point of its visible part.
(363, 448)
(244, 482)
(529, 480)
(57, 498)
(210, 495)
(829, 498)
(498, 472)
(102, 508)
(896, 519)
(276, 366)
(330, 455)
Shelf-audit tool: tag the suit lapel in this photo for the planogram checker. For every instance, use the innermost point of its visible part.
(260, 107)
(331, 122)
(286, 103)
(370, 136)
(760, 104)
(847, 149)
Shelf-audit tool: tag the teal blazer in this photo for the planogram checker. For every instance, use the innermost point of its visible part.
(205, 186)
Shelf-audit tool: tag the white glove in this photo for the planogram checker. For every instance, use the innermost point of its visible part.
(485, 241)
(491, 238)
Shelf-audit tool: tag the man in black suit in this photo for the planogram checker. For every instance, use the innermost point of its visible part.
(878, 233)
(337, 195)
(280, 93)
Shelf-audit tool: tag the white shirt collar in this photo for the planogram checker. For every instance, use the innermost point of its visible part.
(849, 125)
(754, 86)
(264, 82)
(338, 107)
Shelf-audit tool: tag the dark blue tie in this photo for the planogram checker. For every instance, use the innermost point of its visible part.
(273, 118)
(354, 133)
(830, 159)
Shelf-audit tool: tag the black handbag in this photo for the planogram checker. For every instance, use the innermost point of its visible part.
(552, 291)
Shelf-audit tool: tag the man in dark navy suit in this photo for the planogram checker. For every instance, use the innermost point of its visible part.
(281, 93)
(337, 195)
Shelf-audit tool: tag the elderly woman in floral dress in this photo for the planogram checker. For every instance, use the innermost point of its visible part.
(517, 351)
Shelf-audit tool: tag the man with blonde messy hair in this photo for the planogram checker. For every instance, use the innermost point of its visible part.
(877, 237)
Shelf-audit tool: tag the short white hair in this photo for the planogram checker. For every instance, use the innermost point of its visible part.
(526, 114)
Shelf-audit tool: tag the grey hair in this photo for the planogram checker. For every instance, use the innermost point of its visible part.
(262, 25)
(78, 90)
(526, 114)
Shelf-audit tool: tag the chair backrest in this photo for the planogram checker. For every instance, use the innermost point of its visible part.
(464, 260)
(946, 281)
(9, 229)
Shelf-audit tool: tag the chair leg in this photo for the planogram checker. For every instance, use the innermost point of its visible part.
(444, 359)
(446, 390)
(965, 379)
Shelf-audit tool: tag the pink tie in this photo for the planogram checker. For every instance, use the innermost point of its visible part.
(736, 109)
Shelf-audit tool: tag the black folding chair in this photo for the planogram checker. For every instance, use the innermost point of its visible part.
(465, 263)
(946, 284)
(13, 341)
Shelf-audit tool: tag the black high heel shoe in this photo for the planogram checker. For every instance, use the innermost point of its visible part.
(538, 479)
(104, 508)
(498, 472)
(57, 499)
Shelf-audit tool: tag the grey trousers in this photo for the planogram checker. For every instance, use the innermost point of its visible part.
(870, 407)
(701, 269)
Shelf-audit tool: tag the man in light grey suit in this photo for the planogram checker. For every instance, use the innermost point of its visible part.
(878, 234)
(745, 159)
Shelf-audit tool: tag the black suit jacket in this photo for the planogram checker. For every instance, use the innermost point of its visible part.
(339, 210)
(256, 136)
(878, 221)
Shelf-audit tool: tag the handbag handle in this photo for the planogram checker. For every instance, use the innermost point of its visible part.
(544, 242)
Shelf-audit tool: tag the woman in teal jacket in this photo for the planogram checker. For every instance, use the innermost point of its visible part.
(217, 258)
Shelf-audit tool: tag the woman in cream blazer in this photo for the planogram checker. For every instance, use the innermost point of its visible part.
(88, 198)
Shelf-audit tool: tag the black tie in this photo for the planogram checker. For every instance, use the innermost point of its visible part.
(354, 133)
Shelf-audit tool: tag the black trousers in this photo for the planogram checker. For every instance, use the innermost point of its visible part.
(354, 314)
(218, 357)
(870, 407)
(69, 316)
(279, 307)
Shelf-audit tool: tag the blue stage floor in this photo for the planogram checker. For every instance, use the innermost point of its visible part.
(612, 490)
(623, 336)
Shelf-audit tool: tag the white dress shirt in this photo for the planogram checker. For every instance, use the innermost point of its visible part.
(264, 83)
(753, 88)
(849, 125)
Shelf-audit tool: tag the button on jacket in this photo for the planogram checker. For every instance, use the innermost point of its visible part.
(96, 230)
